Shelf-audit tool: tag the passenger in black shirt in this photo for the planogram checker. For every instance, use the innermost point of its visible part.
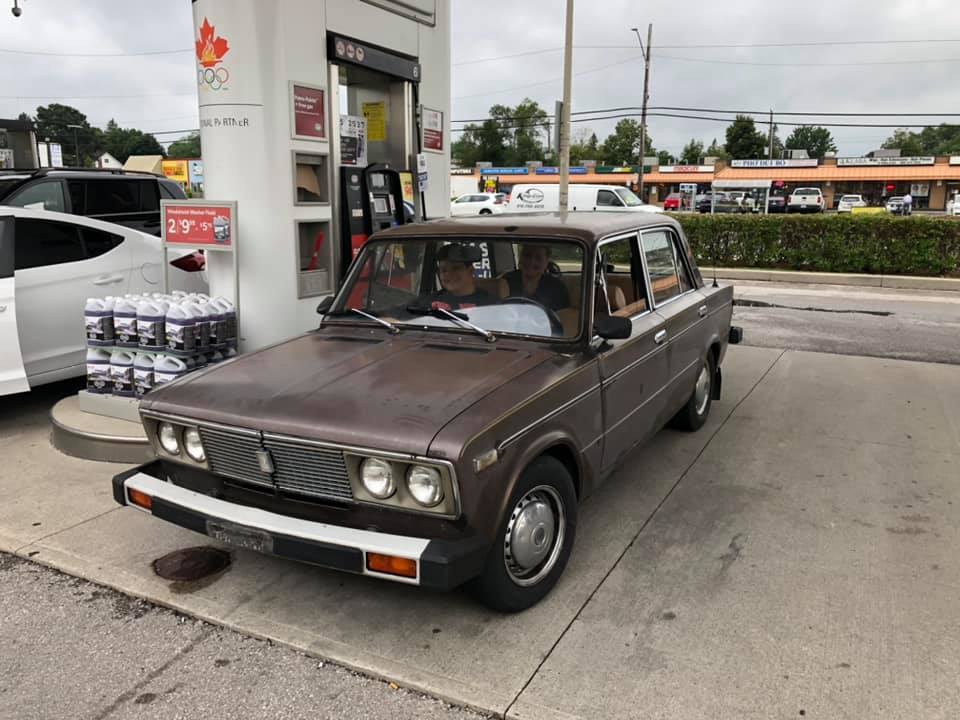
(532, 281)
(455, 268)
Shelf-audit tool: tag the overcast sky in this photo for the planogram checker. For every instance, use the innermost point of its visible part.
(158, 92)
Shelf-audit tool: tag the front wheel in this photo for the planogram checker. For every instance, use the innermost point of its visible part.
(533, 541)
(694, 414)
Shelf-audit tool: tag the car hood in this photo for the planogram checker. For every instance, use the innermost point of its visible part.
(364, 389)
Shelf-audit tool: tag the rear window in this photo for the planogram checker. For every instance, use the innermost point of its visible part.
(850, 198)
(108, 197)
(807, 191)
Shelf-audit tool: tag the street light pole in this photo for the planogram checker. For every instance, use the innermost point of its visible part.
(646, 96)
(564, 118)
(76, 143)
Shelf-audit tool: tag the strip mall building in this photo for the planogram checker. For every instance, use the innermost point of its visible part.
(930, 180)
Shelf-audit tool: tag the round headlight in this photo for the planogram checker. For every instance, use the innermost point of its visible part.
(193, 445)
(167, 434)
(377, 477)
(424, 484)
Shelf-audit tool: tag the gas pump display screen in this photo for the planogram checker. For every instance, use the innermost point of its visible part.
(380, 206)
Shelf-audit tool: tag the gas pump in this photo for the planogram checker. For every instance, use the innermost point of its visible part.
(371, 200)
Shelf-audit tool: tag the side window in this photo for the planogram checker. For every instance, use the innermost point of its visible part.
(42, 242)
(166, 193)
(40, 196)
(668, 275)
(607, 198)
(109, 197)
(149, 196)
(97, 242)
(465, 199)
(78, 197)
(620, 272)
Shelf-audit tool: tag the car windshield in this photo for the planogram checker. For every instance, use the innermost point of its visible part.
(516, 287)
(629, 199)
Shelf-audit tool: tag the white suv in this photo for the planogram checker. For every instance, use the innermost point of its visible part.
(477, 204)
(849, 202)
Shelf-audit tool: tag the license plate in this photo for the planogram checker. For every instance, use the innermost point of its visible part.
(803, 207)
(240, 536)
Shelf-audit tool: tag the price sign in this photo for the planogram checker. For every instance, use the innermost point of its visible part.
(198, 225)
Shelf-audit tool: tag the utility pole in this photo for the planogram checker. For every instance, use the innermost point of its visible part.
(771, 135)
(76, 142)
(564, 119)
(646, 96)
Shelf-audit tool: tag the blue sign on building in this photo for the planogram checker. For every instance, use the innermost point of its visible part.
(504, 171)
(556, 171)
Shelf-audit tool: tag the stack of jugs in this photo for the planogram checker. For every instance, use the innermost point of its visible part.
(98, 371)
(98, 320)
(228, 322)
(167, 369)
(121, 372)
(180, 329)
(143, 380)
(125, 322)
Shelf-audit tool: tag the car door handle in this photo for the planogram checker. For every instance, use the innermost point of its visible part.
(3, 308)
(660, 337)
(702, 311)
(108, 279)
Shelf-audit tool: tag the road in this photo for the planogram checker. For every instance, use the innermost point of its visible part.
(73, 649)
(878, 322)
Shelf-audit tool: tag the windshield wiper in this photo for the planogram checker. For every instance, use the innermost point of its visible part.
(458, 317)
(394, 330)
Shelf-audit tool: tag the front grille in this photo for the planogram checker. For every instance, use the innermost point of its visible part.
(234, 455)
(308, 469)
(299, 467)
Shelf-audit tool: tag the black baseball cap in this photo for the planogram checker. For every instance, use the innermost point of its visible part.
(455, 252)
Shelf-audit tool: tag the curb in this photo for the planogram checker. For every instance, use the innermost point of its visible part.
(902, 282)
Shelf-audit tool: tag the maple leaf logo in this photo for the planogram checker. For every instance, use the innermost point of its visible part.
(210, 49)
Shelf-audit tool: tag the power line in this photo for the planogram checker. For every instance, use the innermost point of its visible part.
(822, 43)
(92, 97)
(795, 64)
(45, 53)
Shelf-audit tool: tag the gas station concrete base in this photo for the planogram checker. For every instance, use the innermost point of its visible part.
(797, 556)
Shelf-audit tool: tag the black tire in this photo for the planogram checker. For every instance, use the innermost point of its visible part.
(486, 211)
(545, 482)
(694, 414)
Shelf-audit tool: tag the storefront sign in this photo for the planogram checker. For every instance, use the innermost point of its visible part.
(686, 168)
(917, 160)
(376, 115)
(611, 169)
(556, 171)
(783, 163)
(955, 159)
(432, 129)
(461, 171)
(176, 170)
(920, 189)
(504, 171)
(309, 118)
(344, 49)
(353, 140)
(197, 224)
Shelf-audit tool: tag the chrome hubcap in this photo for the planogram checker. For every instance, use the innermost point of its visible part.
(702, 392)
(534, 536)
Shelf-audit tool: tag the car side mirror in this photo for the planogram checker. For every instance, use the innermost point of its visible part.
(611, 327)
(325, 305)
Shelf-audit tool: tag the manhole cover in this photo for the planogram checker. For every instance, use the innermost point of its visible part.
(191, 564)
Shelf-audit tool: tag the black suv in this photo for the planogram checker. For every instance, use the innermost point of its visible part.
(125, 198)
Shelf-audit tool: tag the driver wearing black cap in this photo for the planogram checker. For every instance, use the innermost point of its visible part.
(459, 286)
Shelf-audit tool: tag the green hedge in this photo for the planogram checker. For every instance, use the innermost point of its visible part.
(916, 245)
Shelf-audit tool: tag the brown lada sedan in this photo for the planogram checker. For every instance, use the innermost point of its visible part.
(471, 383)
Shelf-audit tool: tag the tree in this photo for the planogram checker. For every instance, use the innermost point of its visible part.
(743, 139)
(717, 151)
(939, 140)
(584, 146)
(665, 158)
(623, 146)
(124, 142)
(692, 153)
(53, 124)
(185, 147)
(484, 142)
(524, 130)
(817, 141)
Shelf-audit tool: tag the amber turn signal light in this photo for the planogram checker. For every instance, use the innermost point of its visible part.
(390, 565)
(140, 499)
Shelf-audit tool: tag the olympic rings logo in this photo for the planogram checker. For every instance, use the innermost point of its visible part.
(213, 78)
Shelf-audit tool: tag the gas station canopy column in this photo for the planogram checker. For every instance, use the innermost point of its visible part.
(325, 121)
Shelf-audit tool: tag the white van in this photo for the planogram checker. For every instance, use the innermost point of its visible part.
(582, 198)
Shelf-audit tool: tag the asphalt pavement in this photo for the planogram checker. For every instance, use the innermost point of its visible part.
(72, 649)
(878, 322)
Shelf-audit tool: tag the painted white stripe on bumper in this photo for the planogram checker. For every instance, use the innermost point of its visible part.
(365, 540)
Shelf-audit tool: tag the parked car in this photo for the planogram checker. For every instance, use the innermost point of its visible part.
(477, 204)
(116, 196)
(581, 198)
(953, 205)
(894, 205)
(50, 263)
(672, 201)
(776, 204)
(806, 199)
(721, 203)
(439, 436)
(848, 202)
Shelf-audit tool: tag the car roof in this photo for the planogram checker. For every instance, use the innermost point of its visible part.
(589, 227)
